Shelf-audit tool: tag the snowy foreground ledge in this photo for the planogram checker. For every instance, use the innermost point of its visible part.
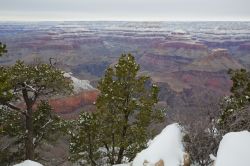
(166, 149)
(234, 150)
(28, 163)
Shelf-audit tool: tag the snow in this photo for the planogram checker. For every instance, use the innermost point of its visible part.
(234, 149)
(212, 157)
(166, 146)
(180, 31)
(79, 85)
(28, 163)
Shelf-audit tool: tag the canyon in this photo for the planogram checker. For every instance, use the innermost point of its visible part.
(188, 60)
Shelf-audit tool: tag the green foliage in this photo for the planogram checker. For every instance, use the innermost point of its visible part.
(235, 112)
(42, 79)
(4, 85)
(2, 49)
(85, 145)
(46, 124)
(125, 110)
(6, 94)
(11, 123)
(37, 80)
(28, 84)
(47, 127)
(11, 135)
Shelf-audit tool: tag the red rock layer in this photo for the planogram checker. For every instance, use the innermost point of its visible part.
(73, 103)
(69, 107)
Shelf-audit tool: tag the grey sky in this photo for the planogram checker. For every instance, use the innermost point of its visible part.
(152, 10)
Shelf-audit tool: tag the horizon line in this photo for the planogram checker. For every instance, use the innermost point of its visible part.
(117, 20)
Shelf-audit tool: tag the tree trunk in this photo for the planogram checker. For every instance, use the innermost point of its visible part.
(122, 148)
(91, 155)
(29, 145)
(120, 155)
(123, 137)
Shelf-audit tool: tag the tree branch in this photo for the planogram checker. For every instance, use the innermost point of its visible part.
(14, 107)
(38, 139)
(30, 87)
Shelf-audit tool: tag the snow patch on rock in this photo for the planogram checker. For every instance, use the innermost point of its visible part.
(28, 163)
(79, 85)
(234, 149)
(166, 147)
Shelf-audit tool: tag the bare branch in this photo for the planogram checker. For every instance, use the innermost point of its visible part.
(30, 87)
(14, 108)
(38, 139)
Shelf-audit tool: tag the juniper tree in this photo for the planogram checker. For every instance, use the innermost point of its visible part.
(22, 87)
(125, 110)
(46, 125)
(235, 109)
(84, 146)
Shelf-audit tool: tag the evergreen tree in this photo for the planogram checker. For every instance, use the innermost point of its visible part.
(46, 128)
(85, 145)
(235, 110)
(28, 84)
(125, 110)
(4, 87)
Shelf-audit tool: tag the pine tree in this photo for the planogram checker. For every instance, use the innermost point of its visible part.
(125, 110)
(84, 146)
(46, 129)
(29, 84)
(235, 109)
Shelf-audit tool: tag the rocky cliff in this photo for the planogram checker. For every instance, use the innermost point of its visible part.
(70, 106)
(217, 60)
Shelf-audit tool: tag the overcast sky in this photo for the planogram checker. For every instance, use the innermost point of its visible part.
(135, 10)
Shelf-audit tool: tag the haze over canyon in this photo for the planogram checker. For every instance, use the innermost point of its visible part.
(188, 60)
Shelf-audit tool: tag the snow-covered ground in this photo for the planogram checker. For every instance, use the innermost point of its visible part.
(79, 85)
(167, 146)
(234, 150)
(28, 163)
